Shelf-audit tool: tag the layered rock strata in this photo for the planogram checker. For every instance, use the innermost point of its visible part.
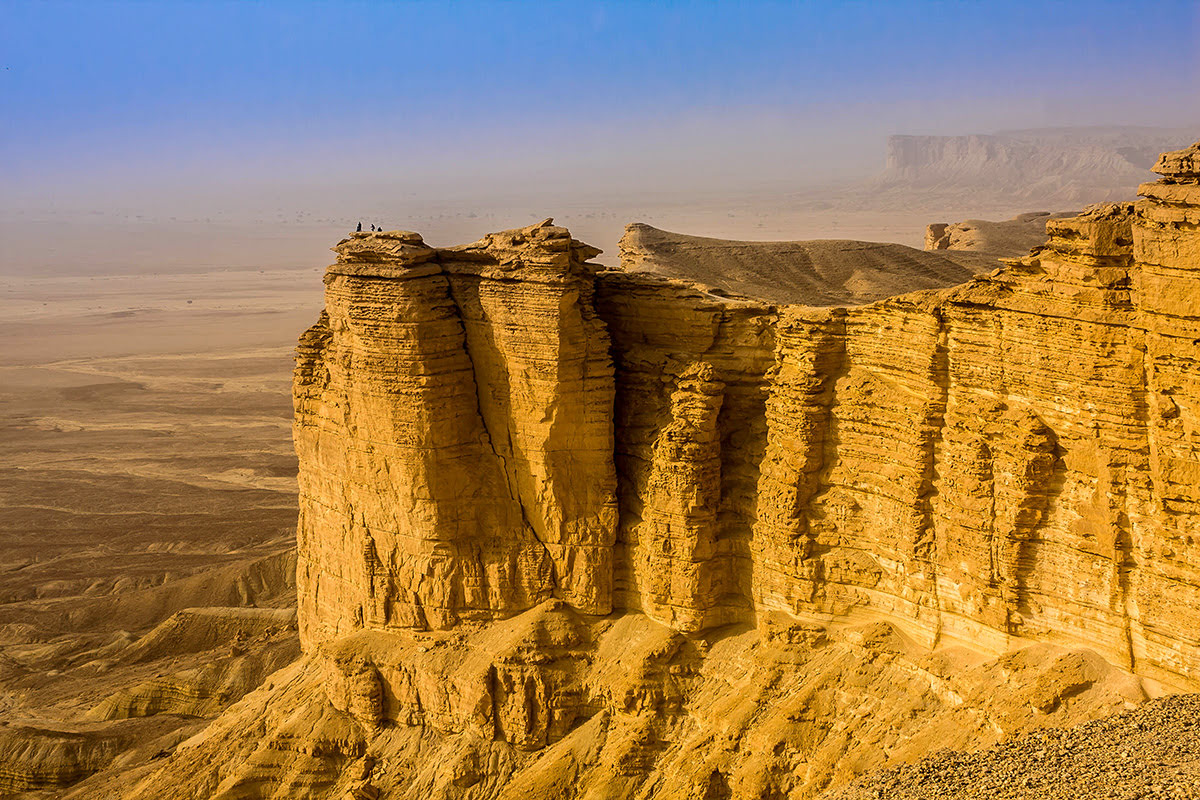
(1006, 458)
(1002, 461)
(578, 533)
(454, 408)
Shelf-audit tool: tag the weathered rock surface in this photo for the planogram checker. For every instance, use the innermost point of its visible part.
(455, 409)
(552, 703)
(1012, 237)
(584, 534)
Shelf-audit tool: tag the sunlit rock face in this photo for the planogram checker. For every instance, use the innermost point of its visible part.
(968, 465)
(482, 428)
(454, 416)
(573, 532)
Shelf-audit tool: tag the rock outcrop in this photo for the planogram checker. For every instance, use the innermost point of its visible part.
(454, 408)
(580, 533)
(1009, 238)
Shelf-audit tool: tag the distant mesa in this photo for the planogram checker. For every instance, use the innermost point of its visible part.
(1060, 167)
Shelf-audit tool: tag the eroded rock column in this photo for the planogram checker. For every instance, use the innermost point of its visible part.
(454, 430)
(1166, 246)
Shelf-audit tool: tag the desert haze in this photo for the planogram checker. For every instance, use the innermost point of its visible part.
(733, 403)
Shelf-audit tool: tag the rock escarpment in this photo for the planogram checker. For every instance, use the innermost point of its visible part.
(455, 410)
(569, 532)
(1005, 460)
(1061, 166)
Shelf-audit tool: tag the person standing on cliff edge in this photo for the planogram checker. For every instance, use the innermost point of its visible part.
(359, 228)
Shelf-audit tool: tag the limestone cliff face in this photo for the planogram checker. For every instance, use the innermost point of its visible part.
(578, 533)
(453, 411)
(1008, 459)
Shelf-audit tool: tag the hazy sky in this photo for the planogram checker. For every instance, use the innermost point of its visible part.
(192, 104)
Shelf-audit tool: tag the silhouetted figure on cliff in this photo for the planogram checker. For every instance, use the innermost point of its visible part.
(359, 228)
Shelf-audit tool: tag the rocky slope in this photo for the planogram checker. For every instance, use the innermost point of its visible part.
(1150, 752)
(816, 273)
(595, 534)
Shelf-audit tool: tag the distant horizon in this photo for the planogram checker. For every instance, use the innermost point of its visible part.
(58, 240)
(304, 116)
(152, 105)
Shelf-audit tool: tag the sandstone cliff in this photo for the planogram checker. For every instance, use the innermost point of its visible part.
(455, 408)
(577, 533)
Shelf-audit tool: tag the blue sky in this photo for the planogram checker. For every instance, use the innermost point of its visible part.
(158, 94)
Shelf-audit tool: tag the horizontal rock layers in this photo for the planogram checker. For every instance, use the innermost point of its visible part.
(1010, 459)
(580, 533)
(454, 414)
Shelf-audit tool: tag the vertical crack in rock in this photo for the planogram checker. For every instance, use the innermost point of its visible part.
(934, 425)
(545, 382)
(495, 424)
(690, 429)
(743, 352)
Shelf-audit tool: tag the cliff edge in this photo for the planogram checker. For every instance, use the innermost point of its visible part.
(579, 533)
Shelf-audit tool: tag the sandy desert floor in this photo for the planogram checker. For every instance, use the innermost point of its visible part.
(145, 468)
